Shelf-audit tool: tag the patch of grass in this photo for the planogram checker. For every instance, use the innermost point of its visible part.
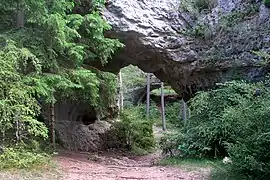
(218, 170)
(22, 158)
(187, 163)
(26, 156)
(167, 91)
(217, 174)
(48, 171)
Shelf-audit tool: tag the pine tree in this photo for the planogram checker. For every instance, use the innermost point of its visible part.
(42, 52)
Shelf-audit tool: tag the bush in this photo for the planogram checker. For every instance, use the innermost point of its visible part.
(23, 156)
(133, 132)
(172, 112)
(169, 143)
(234, 121)
(208, 130)
(250, 150)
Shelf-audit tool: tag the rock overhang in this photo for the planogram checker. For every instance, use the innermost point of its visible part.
(150, 30)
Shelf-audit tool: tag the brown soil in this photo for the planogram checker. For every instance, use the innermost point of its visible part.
(110, 166)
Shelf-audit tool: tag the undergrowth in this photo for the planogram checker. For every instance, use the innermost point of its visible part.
(232, 121)
(133, 133)
(24, 156)
(187, 162)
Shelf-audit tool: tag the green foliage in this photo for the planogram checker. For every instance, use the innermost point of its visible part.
(233, 121)
(207, 124)
(132, 77)
(266, 3)
(17, 103)
(172, 112)
(107, 93)
(42, 62)
(62, 41)
(169, 143)
(23, 156)
(44, 59)
(133, 132)
(167, 91)
(264, 58)
(250, 151)
(222, 173)
(205, 4)
(187, 163)
(197, 6)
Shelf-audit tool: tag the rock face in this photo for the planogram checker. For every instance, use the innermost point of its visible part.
(77, 126)
(152, 31)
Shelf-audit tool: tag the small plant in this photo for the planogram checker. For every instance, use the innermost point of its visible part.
(238, 16)
(205, 4)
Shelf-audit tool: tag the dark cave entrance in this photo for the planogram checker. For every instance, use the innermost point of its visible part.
(88, 117)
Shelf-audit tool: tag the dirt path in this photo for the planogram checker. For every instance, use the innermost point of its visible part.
(118, 167)
(108, 166)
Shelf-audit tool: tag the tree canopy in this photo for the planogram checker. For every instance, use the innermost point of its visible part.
(43, 47)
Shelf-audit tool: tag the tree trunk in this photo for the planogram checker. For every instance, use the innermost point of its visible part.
(121, 95)
(148, 96)
(17, 133)
(162, 107)
(20, 15)
(52, 125)
(184, 112)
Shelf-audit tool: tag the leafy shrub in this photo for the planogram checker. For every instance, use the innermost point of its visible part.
(232, 120)
(23, 156)
(172, 112)
(44, 61)
(133, 132)
(250, 151)
(208, 129)
(169, 143)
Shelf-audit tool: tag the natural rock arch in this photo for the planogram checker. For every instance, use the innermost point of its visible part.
(151, 30)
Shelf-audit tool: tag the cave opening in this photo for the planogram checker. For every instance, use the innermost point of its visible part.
(89, 118)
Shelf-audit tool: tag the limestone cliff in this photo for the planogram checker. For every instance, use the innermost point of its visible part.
(187, 49)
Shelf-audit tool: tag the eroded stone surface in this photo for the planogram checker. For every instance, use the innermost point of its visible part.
(72, 133)
(150, 29)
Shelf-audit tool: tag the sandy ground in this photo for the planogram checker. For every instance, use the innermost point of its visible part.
(108, 166)
(118, 167)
